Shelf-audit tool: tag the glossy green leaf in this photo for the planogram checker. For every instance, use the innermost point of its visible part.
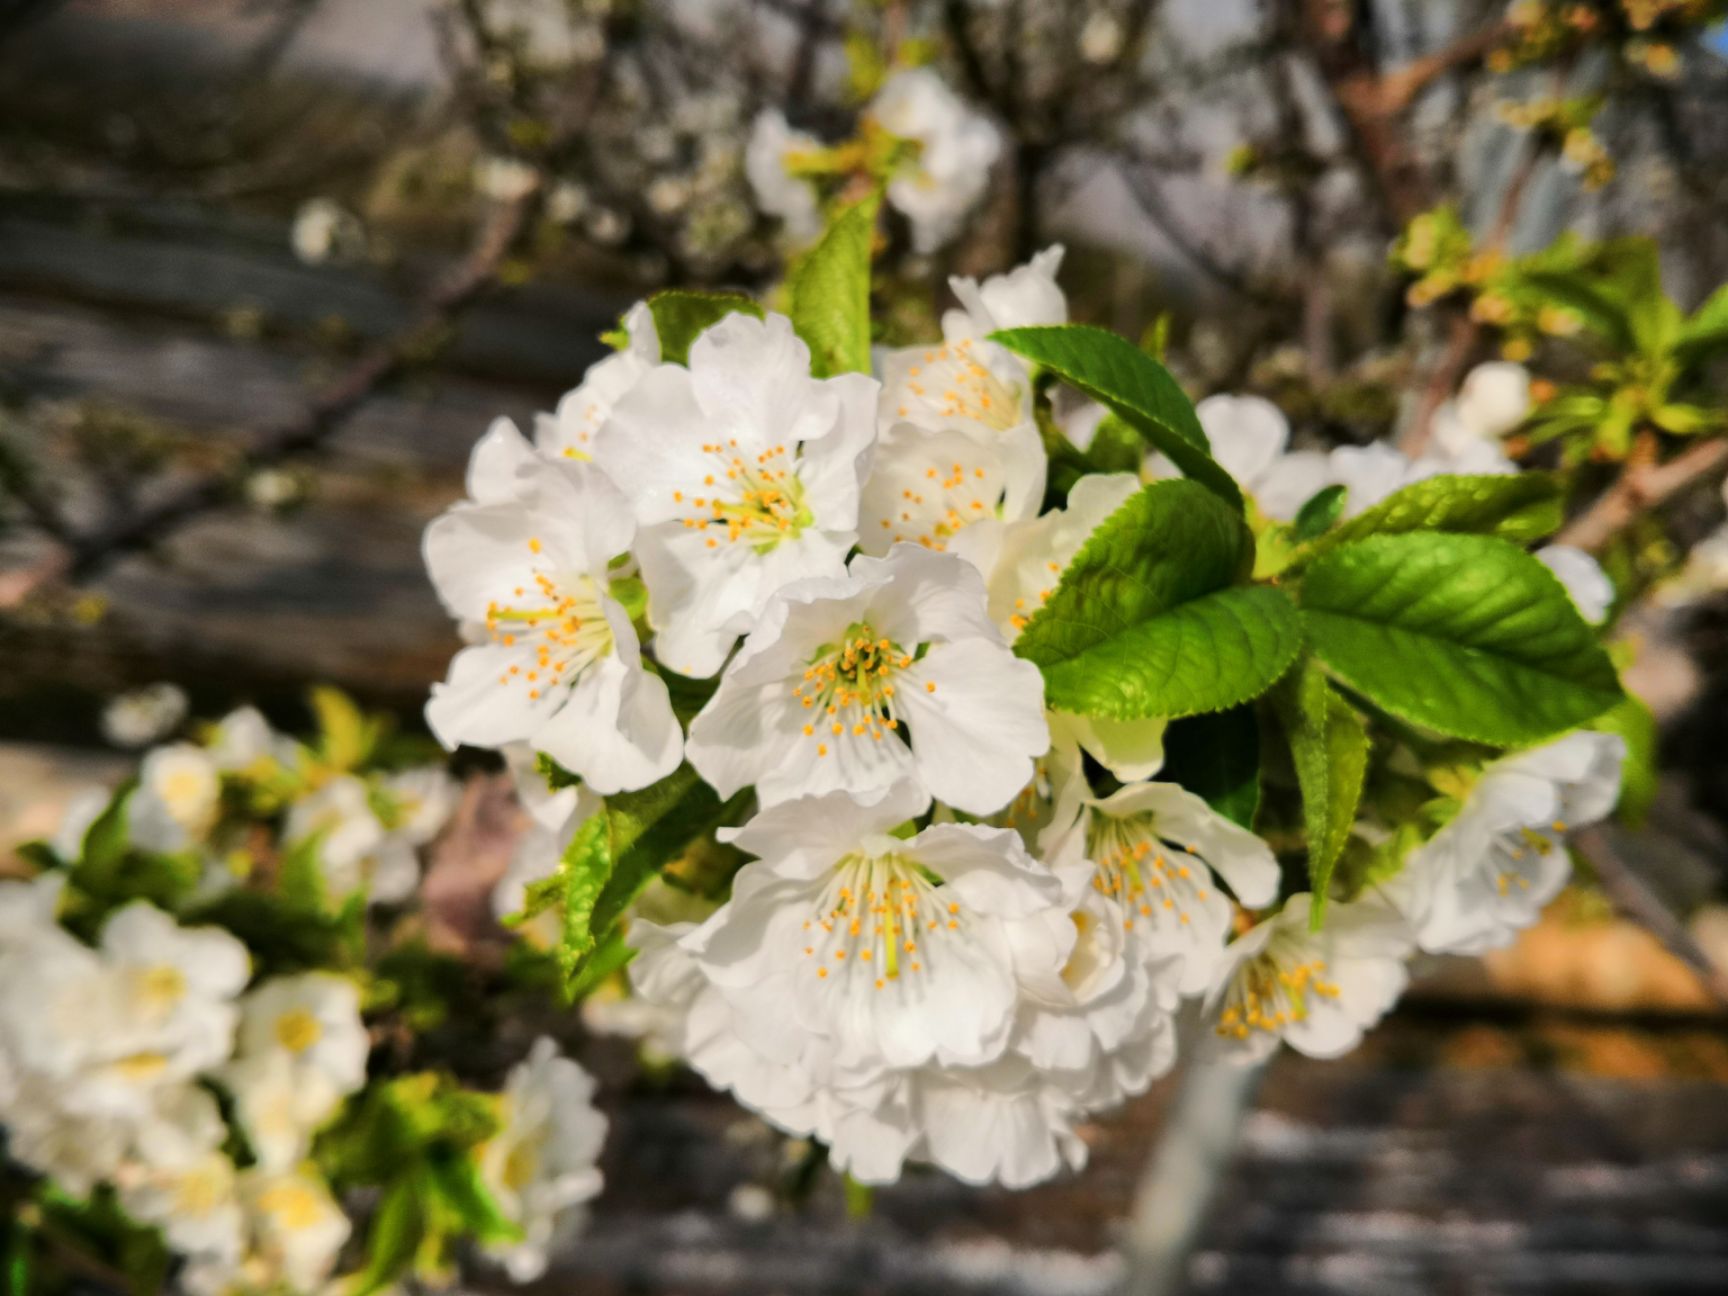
(1521, 507)
(1467, 635)
(681, 315)
(1329, 749)
(1150, 619)
(1133, 386)
(829, 290)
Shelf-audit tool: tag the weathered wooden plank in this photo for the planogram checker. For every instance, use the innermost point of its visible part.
(1393, 1171)
(230, 388)
(199, 266)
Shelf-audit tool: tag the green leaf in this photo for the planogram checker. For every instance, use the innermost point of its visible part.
(1465, 634)
(458, 1182)
(397, 1231)
(1706, 332)
(586, 868)
(1134, 387)
(1329, 748)
(1599, 312)
(1217, 758)
(1320, 513)
(300, 878)
(623, 847)
(105, 840)
(1149, 620)
(830, 293)
(1521, 507)
(681, 315)
(346, 736)
(651, 828)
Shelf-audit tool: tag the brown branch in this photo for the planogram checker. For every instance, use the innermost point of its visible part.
(1399, 89)
(1639, 489)
(1633, 897)
(78, 557)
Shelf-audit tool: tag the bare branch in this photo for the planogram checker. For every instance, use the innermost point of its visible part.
(1640, 489)
(77, 557)
(1634, 898)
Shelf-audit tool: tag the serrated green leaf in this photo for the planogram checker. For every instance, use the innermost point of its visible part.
(1319, 514)
(1148, 620)
(586, 867)
(622, 848)
(1521, 507)
(1329, 748)
(1217, 758)
(829, 293)
(1134, 386)
(650, 832)
(1465, 634)
(681, 315)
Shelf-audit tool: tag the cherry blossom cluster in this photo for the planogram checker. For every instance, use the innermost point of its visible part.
(968, 921)
(160, 1050)
(931, 151)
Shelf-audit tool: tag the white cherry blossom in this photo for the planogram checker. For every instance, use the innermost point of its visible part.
(892, 671)
(860, 952)
(970, 385)
(1251, 437)
(295, 1230)
(1158, 852)
(314, 1018)
(180, 1179)
(956, 147)
(280, 1104)
(1488, 872)
(1096, 1022)
(568, 432)
(175, 802)
(1493, 399)
(541, 1164)
(1318, 990)
(1586, 583)
(560, 667)
(744, 473)
(351, 842)
(778, 192)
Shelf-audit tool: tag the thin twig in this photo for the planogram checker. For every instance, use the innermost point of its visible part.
(1639, 489)
(1634, 898)
(78, 557)
(1465, 332)
(1399, 89)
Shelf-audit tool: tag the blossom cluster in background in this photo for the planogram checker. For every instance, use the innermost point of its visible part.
(933, 153)
(182, 996)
